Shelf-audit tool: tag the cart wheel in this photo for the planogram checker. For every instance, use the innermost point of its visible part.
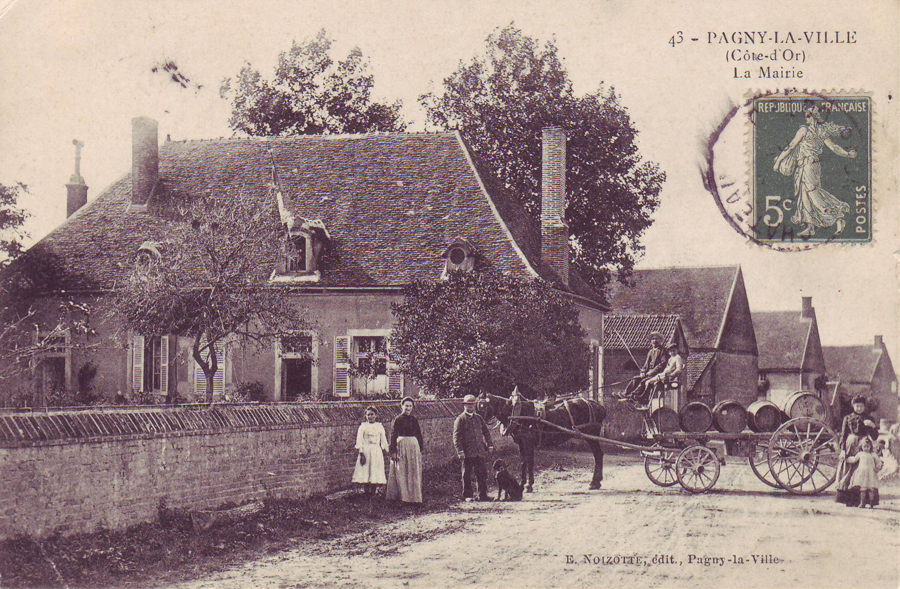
(759, 464)
(659, 464)
(803, 456)
(697, 469)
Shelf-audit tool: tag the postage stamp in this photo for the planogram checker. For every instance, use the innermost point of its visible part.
(811, 171)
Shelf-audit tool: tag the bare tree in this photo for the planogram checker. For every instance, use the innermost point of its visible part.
(208, 280)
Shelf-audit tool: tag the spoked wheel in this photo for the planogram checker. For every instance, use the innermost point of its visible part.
(759, 464)
(697, 469)
(659, 464)
(803, 456)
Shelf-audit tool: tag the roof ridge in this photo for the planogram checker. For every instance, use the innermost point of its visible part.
(329, 137)
(689, 267)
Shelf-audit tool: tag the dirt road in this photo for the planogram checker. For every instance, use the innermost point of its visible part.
(566, 536)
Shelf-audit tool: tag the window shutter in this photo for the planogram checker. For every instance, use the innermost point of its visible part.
(137, 364)
(164, 364)
(218, 377)
(395, 380)
(342, 366)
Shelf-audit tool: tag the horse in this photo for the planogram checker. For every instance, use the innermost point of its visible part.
(583, 415)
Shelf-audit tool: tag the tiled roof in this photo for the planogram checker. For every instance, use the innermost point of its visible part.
(850, 364)
(782, 338)
(695, 365)
(698, 295)
(392, 203)
(634, 331)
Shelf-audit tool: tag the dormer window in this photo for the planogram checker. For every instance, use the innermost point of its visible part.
(302, 249)
(149, 253)
(459, 255)
(295, 249)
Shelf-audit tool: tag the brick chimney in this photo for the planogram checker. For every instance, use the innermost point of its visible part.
(76, 189)
(806, 308)
(554, 231)
(144, 159)
(879, 342)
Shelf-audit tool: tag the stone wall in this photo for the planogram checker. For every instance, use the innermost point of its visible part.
(77, 471)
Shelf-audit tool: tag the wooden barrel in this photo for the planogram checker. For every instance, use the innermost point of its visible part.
(666, 419)
(695, 417)
(765, 416)
(729, 417)
(805, 404)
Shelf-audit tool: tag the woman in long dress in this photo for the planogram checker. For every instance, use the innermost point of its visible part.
(855, 427)
(371, 442)
(406, 447)
(815, 206)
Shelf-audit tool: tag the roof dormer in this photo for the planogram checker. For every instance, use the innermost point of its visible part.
(459, 256)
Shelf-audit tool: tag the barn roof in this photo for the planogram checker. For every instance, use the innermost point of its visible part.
(782, 338)
(392, 202)
(633, 331)
(852, 364)
(694, 367)
(698, 295)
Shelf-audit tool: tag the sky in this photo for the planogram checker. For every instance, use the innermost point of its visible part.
(83, 70)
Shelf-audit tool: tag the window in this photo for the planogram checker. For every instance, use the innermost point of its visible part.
(295, 254)
(371, 354)
(53, 363)
(460, 256)
(150, 364)
(362, 366)
(296, 371)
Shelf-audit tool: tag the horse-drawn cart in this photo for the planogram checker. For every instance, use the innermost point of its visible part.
(801, 457)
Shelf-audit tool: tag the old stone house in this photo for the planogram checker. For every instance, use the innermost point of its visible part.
(867, 371)
(387, 208)
(711, 304)
(790, 353)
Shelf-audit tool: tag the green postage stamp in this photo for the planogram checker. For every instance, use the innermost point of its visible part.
(812, 168)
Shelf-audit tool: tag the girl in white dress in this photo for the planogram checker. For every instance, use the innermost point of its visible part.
(371, 442)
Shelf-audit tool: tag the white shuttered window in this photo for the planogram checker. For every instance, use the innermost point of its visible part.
(342, 377)
(218, 377)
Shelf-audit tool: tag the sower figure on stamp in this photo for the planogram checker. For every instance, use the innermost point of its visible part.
(816, 207)
(653, 365)
(472, 441)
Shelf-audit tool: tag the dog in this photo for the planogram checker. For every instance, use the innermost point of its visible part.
(506, 483)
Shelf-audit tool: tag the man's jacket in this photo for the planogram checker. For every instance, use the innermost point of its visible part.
(656, 361)
(471, 436)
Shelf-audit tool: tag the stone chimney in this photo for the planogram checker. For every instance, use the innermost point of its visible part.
(879, 342)
(144, 159)
(76, 189)
(806, 309)
(554, 231)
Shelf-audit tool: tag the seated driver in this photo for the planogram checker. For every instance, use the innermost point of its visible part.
(674, 367)
(653, 365)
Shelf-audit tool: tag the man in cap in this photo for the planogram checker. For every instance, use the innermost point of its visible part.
(472, 441)
(653, 365)
(674, 367)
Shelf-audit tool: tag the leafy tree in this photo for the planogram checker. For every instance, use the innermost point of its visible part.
(11, 220)
(309, 94)
(207, 281)
(33, 326)
(486, 332)
(501, 101)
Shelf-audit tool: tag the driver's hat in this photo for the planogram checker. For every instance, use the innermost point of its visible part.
(469, 400)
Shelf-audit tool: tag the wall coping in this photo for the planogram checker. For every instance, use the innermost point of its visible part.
(39, 427)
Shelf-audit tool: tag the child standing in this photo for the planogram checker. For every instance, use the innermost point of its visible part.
(865, 477)
(857, 426)
(371, 442)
